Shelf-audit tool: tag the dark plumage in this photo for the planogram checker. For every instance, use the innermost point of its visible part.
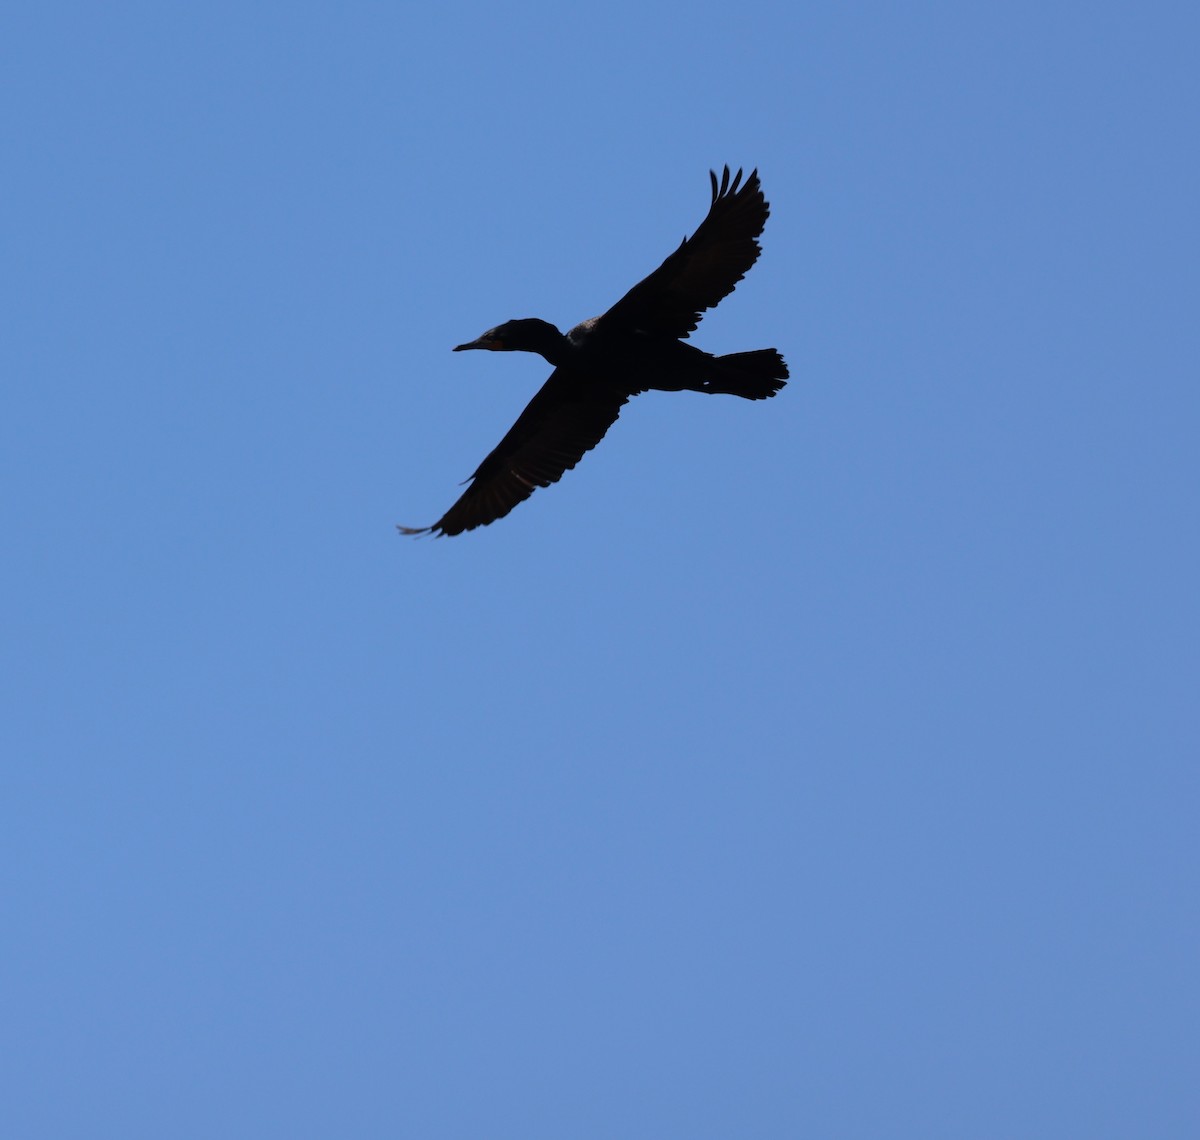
(637, 345)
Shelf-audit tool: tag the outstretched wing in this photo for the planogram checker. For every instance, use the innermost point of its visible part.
(706, 266)
(566, 419)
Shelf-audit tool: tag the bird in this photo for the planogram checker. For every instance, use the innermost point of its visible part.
(639, 344)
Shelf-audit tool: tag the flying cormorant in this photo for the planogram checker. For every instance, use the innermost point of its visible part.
(636, 346)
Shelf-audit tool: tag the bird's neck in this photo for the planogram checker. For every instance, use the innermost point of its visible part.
(544, 339)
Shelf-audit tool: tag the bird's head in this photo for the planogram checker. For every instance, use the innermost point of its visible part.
(528, 335)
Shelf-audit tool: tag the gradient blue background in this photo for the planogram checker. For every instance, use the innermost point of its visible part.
(825, 767)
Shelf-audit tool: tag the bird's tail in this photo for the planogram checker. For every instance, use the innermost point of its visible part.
(755, 375)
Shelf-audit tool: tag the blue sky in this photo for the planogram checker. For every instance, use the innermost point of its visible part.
(819, 767)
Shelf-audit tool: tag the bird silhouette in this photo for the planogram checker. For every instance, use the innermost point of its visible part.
(637, 346)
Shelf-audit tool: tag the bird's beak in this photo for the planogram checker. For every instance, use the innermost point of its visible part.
(482, 342)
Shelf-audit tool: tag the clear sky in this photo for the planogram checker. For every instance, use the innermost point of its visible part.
(819, 767)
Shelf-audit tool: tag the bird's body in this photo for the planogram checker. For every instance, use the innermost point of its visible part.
(636, 346)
